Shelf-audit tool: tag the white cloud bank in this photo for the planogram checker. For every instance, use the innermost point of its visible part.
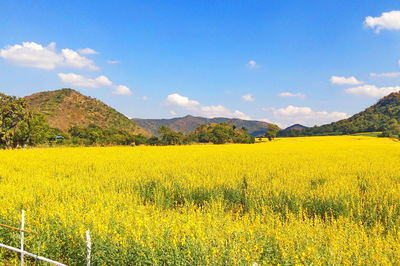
(248, 98)
(82, 81)
(31, 54)
(303, 115)
(182, 101)
(211, 111)
(387, 20)
(122, 90)
(100, 81)
(345, 80)
(291, 95)
(372, 91)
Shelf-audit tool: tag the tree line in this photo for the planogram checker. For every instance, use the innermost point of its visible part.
(21, 127)
(213, 133)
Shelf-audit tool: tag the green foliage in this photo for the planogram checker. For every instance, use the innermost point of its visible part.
(154, 141)
(95, 135)
(156, 193)
(392, 129)
(222, 133)
(170, 137)
(212, 133)
(12, 113)
(33, 130)
(140, 139)
(18, 125)
(272, 132)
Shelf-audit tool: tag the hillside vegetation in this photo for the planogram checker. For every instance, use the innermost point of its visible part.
(378, 117)
(66, 108)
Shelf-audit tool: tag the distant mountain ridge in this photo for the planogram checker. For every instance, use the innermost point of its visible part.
(292, 131)
(65, 108)
(189, 123)
(295, 127)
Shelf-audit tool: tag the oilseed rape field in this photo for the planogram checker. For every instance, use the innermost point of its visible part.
(315, 200)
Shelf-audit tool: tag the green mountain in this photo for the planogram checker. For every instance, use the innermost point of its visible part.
(374, 118)
(295, 127)
(66, 107)
(189, 123)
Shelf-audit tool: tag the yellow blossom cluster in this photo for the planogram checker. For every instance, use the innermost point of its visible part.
(314, 200)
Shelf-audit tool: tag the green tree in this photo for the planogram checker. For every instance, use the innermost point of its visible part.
(392, 129)
(272, 131)
(33, 130)
(139, 139)
(222, 133)
(170, 137)
(12, 113)
(154, 141)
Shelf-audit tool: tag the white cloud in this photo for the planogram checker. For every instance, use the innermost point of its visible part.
(207, 111)
(87, 51)
(82, 81)
(248, 98)
(252, 64)
(292, 110)
(182, 101)
(345, 81)
(75, 60)
(241, 115)
(385, 75)
(289, 94)
(221, 111)
(269, 121)
(303, 115)
(31, 54)
(122, 90)
(387, 20)
(112, 62)
(372, 90)
(100, 81)
(145, 98)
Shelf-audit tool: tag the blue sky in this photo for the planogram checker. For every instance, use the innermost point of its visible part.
(310, 62)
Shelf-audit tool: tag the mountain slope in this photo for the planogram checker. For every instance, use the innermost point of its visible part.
(295, 127)
(292, 131)
(66, 107)
(189, 123)
(374, 118)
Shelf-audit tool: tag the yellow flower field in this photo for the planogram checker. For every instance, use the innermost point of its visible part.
(319, 200)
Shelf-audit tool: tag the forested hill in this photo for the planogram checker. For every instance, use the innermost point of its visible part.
(65, 108)
(189, 123)
(375, 118)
